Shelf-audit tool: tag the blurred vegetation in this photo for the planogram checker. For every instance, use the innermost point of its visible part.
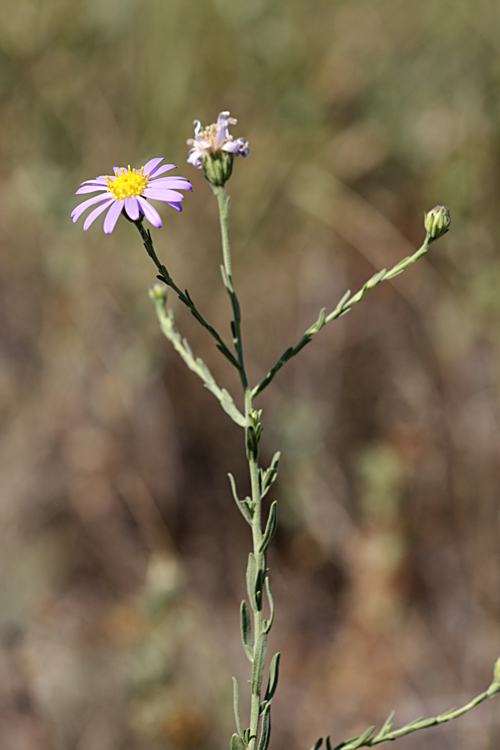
(122, 554)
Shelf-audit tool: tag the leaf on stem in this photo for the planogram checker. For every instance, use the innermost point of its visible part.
(236, 706)
(246, 629)
(252, 579)
(273, 677)
(268, 477)
(259, 663)
(237, 743)
(317, 744)
(244, 506)
(272, 522)
(267, 624)
(265, 734)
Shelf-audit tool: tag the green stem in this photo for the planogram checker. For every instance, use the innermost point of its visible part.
(251, 436)
(184, 297)
(386, 735)
(346, 303)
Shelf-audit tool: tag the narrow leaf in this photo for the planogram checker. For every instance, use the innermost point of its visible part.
(251, 579)
(268, 623)
(265, 734)
(241, 504)
(273, 677)
(246, 629)
(237, 743)
(387, 724)
(236, 706)
(317, 744)
(259, 663)
(270, 527)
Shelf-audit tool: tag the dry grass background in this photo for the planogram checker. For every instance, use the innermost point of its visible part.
(122, 556)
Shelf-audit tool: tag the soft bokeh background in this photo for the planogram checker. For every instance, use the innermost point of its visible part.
(122, 555)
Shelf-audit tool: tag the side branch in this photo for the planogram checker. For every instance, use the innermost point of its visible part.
(346, 303)
(181, 346)
(185, 298)
(386, 735)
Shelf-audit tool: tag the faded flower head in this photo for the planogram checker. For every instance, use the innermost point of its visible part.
(214, 149)
(131, 190)
(437, 222)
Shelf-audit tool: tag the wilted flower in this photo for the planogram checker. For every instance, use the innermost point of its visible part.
(437, 222)
(131, 190)
(214, 149)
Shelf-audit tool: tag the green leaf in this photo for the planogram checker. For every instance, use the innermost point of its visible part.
(246, 629)
(246, 736)
(236, 706)
(237, 743)
(267, 624)
(252, 579)
(317, 744)
(387, 724)
(265, 734)
(259, 663)
(273, 677)
(270, 527)
(268, 477)
(241, 504)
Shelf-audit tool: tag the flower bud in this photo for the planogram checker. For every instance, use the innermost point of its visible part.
(158, 293)
(218, 167)
(437, 222)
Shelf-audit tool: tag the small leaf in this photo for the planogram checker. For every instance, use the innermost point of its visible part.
(251, 579)
(236, 706)
(268, 477)
(364, 737)
(387, 724)
(246, 629)
(265, 734)
(237, 743)
(317, 744)
(241, 504)
(270, 527)
(259, 663)
(246, 736)
(273, 677)
(268, 623)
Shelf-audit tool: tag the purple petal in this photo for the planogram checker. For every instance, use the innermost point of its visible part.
(151, 164)
(112, 216)
(79, 210)
(177, 206)
(173, 183)
(102, 180)
(132, 208)
(160, 170)
(168, 196)
(90, 189)
(95, 213)
(149, 212)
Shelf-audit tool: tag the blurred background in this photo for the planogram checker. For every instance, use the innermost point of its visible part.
(122, 555)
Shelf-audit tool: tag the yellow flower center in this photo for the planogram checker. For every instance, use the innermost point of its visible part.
(127, 184)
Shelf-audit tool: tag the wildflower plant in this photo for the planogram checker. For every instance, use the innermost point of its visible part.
(129, 191)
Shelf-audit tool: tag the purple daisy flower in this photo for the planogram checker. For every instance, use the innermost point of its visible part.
(215, 138)
(130, 190)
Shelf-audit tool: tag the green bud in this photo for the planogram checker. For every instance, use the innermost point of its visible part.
(218, 167)
(158, 293)
(437, 222)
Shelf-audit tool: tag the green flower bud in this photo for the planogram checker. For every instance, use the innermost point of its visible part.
(437, 222)
(158, 293)
(218, 167)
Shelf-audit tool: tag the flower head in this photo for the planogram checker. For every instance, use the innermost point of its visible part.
(437, 222)
(214, 149)
(131, 190)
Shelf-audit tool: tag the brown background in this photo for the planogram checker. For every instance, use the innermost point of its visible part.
(122, 555)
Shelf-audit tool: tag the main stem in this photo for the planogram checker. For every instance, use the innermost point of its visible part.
(252, 456)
